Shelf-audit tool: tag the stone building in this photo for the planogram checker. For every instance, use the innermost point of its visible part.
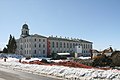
(66, 45)
(41, 46)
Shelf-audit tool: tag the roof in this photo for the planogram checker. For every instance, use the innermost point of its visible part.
(64, 39)
(36, 35)
(63, 53)
(25, 26)
(84, 41)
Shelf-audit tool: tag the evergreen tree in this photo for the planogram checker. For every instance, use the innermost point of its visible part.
(11, 46)
(5, 50)
(14, 46)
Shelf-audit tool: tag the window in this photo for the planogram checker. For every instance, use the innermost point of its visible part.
(25, 51)
(21, 40)
(61, 44)
(67, 45)
(29, 51)
(91, 46)
(70, 45)
(26, 45)
(43, 45)
(21, 46)
(39, 45)
(53, 44)
(73, 45)
(39, 40)
(86, 46)
(26, 32)
(82, 51)
(29, 40)
(35, 39)
(35, 45)
(29, 45)
(81, 45)
(76, 44)
(64, 45)
(43, 40)
(43, 51)
(35, 51)
(57, 44)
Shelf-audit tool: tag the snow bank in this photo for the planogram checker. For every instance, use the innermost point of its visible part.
(63, 72)
(32, 59)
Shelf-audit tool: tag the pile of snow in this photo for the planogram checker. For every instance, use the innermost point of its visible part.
(32, 59)
(63, 72)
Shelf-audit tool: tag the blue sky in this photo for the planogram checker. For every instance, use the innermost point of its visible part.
(93, 20)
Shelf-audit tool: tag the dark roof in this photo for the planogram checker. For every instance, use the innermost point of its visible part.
(25, 26)
(85, 41)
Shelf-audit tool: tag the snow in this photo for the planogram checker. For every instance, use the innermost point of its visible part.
(61, 71)
(84, 57)
(63, 53)
(32, 59)
(58, 60)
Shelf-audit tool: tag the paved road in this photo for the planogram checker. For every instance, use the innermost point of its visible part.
(6, 74)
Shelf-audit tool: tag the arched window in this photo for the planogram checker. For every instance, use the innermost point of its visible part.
(26, 32)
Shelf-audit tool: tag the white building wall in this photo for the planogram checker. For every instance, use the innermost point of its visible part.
(86, 47)
(29, 46)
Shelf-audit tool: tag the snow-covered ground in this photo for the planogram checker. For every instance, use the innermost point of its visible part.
(61, 71)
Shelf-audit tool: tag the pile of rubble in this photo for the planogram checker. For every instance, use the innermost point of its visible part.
(107, 57)
(61, 63)
(72, 64)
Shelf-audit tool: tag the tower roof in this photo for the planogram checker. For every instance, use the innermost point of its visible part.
(25, 26)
